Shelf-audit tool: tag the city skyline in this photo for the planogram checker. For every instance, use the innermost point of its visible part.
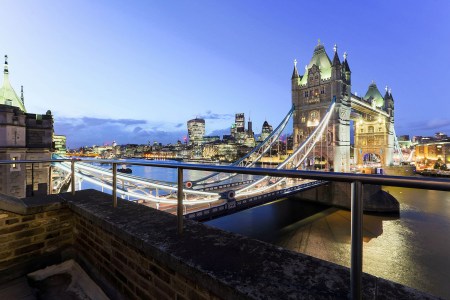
(138, 73)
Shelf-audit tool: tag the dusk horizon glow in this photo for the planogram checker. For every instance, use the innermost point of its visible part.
(137, 73)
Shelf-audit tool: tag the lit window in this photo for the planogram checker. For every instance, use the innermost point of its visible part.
(14, 166)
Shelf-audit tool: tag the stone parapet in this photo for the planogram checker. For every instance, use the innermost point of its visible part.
(33, 233)
(134, 251)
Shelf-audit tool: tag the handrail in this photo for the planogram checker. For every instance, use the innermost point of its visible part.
(357, 184)
(399, 181)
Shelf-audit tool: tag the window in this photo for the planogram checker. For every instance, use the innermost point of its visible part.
(362, 130)
(322, 90)
(370, 129)
(15, 167)
(8, 102)
(306, 93)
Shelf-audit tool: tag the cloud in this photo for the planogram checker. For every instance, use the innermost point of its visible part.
(220, 132)
(100, 121)
(179, 125)
(424, 127)
(209, 115)
(88, 131)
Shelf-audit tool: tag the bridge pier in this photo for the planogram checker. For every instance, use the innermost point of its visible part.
(338, 194)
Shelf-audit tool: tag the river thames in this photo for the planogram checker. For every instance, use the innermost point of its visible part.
(412, 248)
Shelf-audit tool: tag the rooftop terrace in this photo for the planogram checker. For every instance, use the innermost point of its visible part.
(134, 252)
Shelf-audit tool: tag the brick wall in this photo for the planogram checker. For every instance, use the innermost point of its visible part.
(135, 252)
(26, 237)
(129, 270)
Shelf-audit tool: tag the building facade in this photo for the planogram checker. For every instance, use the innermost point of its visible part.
(59, 144)
(196, 131)
(312, 95)
(266, 130)
(23, 136)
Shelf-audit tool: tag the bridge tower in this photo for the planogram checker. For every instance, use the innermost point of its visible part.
(373, 117)
(312, 94)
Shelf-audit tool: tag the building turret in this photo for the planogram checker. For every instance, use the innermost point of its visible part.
(389, 102)
(373, 96)
(346, 69)
(21, 95)
(336, 65)
(7, 94)
(295, 72)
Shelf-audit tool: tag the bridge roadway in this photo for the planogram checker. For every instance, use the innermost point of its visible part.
(229, 206)
(222, 206)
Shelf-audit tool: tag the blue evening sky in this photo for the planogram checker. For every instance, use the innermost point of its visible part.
(136, 71)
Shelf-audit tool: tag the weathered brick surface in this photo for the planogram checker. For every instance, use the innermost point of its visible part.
(138, 251)
(26, 237)
(129, 269)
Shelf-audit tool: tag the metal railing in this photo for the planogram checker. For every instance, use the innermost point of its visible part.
(357, 186)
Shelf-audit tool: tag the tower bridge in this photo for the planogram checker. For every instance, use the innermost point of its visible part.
(324, 110)
(371, 116)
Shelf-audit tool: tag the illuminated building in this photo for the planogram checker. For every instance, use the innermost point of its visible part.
(23, 136)
(238, 128)
(372, 115)
(59, 144)
(433, 149)
(196, 131)
(265, 131)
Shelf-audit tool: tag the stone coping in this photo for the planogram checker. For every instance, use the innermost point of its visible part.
(229, 265)
(30, 205)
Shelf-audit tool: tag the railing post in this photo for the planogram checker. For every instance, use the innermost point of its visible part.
(114, 184)
(50, 182)
(32, 179)
(72, 168)
(356, 240)
(180, 200)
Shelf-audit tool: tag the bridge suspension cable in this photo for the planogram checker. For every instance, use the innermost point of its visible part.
(397, 148)
(296, 159)
(254, 156)
(141, 188)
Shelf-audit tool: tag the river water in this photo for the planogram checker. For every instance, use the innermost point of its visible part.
(412, 249)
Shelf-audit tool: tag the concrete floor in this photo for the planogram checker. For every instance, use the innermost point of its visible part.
(17, 289)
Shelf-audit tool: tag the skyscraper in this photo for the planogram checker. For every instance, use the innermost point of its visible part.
(196, 131)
